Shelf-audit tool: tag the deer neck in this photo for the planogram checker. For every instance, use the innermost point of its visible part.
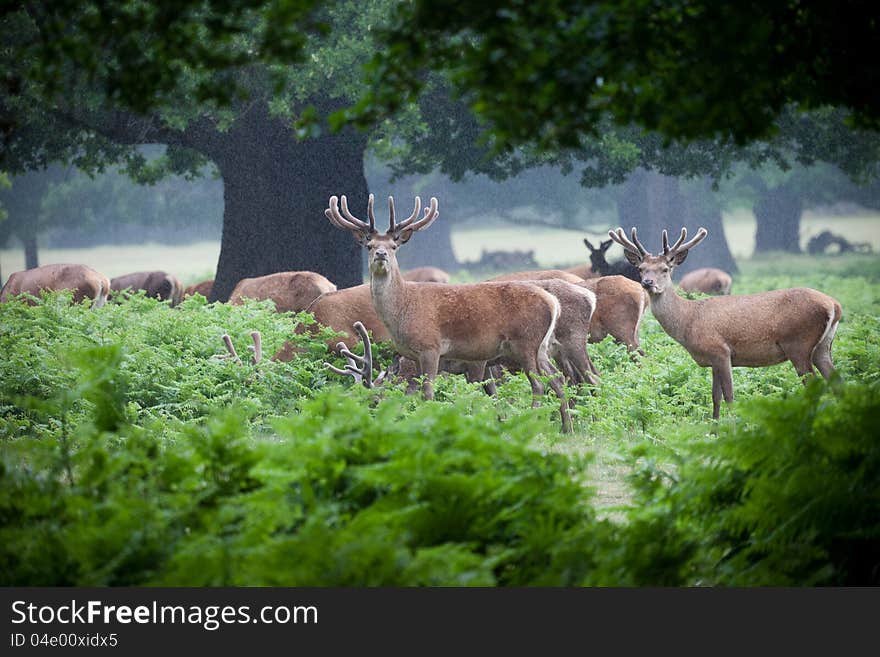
(389, 294)
(672, 312)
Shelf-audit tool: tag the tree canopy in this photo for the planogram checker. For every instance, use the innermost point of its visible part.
(547, 72)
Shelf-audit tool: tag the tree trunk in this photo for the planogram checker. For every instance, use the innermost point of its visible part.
(31, 260)
(275, 192)
(778, 215)
(701, 208)
(651, 202)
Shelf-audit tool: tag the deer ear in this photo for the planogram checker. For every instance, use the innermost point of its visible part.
(403, 238)
(679, 258)
(604, 245)
(633, 258)
(589, 246)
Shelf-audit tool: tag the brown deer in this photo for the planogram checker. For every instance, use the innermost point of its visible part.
(754, 330)
(474, 322)
(620, 304)
(340, 310)
(291, 291)
(84, 281)
(583, 271)
(707, 280)
(157, 284)
(204, 288)
(426, 275)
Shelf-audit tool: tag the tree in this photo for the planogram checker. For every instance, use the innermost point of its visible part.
(548, 72)
(276, 180)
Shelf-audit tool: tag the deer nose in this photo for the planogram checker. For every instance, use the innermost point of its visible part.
(647, 282)
(381, 254)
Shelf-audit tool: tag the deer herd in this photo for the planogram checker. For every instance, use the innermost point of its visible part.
(535, 322)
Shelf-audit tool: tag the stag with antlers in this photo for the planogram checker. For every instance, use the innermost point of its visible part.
(474, 322)
(754, 330)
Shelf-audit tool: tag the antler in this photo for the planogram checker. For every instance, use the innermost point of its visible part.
(349, 221)
(257, 348)
(670, 252)
(360, 368)
(633, 246)
(431, 214)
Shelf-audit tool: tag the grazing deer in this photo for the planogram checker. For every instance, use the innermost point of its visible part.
(204, 288)
(620, 304)
(157, 284)
(474, 322)
(754, 330)
(84, 281)
(340, 310)
(602, 267)
(707, 280)
(426, 275)
(291, 291)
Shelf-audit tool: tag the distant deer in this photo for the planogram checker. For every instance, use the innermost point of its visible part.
(602, 267)
(157, 284)
(754, 330)
(707, 280)
(204, 288)
(426, 275)
(474, 322)
(620, 304)
(85, 282)
(291, 291)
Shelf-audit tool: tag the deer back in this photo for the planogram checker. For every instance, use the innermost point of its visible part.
(291, 291)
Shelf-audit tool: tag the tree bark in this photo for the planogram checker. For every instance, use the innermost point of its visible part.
(31, 259)
(778, 214)
(275, 192)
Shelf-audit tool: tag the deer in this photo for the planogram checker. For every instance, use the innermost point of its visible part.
(292, 291)
(84, 281)
(707, 280)
(620, 304)
(473, 322)
(203, 287)
(602, 267)
(426, 275)
(754, 330)
(340, 310)
(584, 271)
(157, 284)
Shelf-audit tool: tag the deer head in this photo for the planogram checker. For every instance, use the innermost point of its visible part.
(597, 256)
(656, 271)
(381, 248)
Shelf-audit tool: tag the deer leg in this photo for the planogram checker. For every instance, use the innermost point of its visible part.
(822, 360)
(559, 389)
(537, 389)
(716, 393)
(429, 361)
(476, 372)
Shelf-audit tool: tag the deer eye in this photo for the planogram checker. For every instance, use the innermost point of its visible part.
(665, 269)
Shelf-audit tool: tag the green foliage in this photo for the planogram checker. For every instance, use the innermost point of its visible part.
(131, 455)
(789, 495)
(548, 72)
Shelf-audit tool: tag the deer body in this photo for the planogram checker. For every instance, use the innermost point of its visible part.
(159, 284)
(204, 288)
(754, 330)
(474, 322)
(426, 275)
(620, 303)
(708, 280)
(291, 291)
(84, 281)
